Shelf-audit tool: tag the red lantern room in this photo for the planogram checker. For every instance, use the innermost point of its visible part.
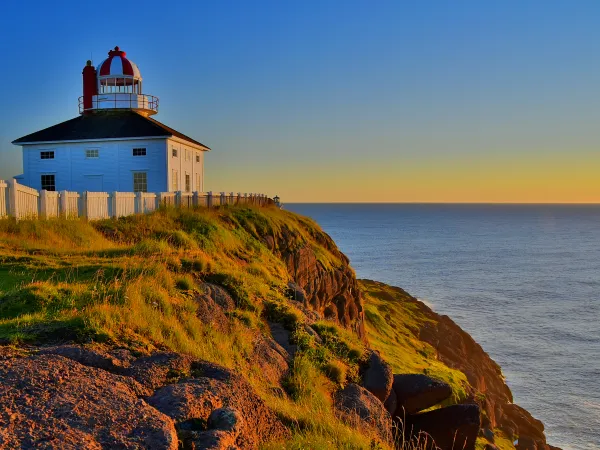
(115, 84)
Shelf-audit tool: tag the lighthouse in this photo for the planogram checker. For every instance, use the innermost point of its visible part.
(114, 144)
(115, 84)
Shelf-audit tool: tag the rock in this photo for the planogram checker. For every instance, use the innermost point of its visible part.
(311, 332)
(160, 368)
(226, 419)
(271, 357)
(488, 434)
(190, 400)
(196, 400)
(90, 357)
(416, 392)
(526, 425)
(453, 427)
(282, 337)
(219, 295)
(296, 293)
(526, 443)
(391, 403)
(378, 377)
(53, 402)
(331, 291)
(211, 313)
(356, 404)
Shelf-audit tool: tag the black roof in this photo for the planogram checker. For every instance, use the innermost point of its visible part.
(105, 125)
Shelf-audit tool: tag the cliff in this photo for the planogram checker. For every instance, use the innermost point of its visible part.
(228, 328)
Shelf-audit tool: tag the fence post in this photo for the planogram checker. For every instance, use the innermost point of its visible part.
(13, 204)
(223, 199)
(195, 199)
(139, 203)
(83, 202)
(209, 199)
(63, 202)
(178, 199)
(239, 198)
(44, 204)
(113, 204)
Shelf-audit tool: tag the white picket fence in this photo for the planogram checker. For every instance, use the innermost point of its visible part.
(23, 202)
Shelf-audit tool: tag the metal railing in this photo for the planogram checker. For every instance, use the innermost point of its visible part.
(121, 100)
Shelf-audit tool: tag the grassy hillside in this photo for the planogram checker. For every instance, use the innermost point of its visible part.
(393, 323)
(132, 282)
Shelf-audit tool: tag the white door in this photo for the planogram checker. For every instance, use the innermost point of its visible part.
(93, 183)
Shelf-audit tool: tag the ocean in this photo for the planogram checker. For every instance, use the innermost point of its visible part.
(523, 280)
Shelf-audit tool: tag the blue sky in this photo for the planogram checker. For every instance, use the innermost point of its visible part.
(337, 101)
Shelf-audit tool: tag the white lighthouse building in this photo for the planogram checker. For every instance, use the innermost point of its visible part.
(114, 144)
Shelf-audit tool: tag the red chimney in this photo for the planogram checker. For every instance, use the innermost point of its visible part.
(90, 85)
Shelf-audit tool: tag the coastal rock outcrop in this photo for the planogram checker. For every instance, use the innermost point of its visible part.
(377, 376)
(359, 407)
(453, 427)
(53, 402)
(328, 287)
(416, 392)
(53, 399)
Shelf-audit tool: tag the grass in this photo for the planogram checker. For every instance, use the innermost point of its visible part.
(393, 324)
(132, 283)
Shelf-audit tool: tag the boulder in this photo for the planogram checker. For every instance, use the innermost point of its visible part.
(453, 427)
(271, 357)
(358, 406)
(416, 392)
(378, 377)
(91, 357)
(391, 403)
(160, 368)
(206, 411)
(219, 295)
(48, 401)
(211, 313)
(282, 337)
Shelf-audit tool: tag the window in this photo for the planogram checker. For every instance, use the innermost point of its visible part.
(46, 155)
(198, 182)
(92, 153)
(175, 180)
(174, 152)
(140, 182)
(188, 186)
(197, 157)
(49, 182)
(139, 152)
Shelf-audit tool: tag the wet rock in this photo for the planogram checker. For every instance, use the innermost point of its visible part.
(416, 392)
(378, 377)
(450, 428)
(53, 402)
(356, 404)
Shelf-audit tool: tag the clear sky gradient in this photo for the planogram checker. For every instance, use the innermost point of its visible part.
(421, 101)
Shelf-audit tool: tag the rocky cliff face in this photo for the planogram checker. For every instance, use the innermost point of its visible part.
(331, 288)
(458, 350)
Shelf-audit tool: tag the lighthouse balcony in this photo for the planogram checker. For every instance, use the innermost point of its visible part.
(143, 103)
